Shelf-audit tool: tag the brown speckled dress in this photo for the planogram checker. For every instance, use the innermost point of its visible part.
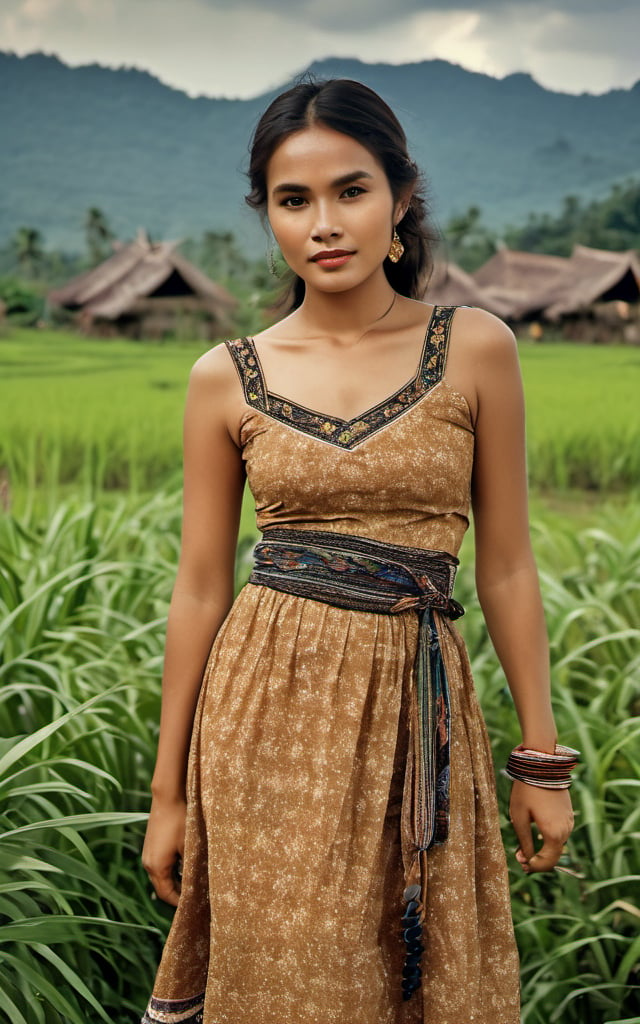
(293, 878)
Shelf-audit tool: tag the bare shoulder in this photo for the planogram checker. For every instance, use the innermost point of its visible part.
(483, 335)
(215, 396)
(482, 355)
(214, 371)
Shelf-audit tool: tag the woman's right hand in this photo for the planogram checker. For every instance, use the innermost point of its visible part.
(164, 847)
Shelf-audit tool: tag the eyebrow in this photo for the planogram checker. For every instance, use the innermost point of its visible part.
(344, 179)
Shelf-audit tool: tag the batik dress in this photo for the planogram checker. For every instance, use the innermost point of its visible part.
(293, 873)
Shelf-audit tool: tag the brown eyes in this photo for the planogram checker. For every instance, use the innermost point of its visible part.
(295, 202)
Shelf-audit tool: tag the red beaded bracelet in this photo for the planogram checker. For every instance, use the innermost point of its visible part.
(550, 771)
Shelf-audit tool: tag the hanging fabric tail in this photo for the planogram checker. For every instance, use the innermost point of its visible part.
(425, 805)
(363, 574)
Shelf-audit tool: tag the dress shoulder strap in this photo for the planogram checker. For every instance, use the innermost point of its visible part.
(436, 346)
(245, 358)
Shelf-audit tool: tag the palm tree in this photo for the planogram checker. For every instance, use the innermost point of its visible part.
(27, 243)
(98, 235)
(470, 243)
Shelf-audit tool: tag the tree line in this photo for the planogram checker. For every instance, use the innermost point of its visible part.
(28, 269)
(611, 223)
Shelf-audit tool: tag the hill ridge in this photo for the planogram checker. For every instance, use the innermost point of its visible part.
(148, 153)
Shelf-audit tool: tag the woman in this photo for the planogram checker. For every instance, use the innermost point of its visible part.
(342, 855)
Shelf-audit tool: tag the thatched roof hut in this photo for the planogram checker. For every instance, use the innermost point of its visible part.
(594, 276)
(521, 281)
(450, 285)
(147, 289)
(535, 285)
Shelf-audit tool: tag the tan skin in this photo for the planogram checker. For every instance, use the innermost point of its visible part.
(341, 200)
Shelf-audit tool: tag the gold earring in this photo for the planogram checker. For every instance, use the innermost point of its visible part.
(271, 260)
(396, 249)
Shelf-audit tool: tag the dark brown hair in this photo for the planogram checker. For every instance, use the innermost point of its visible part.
(351, 108)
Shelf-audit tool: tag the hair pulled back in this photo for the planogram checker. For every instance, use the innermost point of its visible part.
(351, 108)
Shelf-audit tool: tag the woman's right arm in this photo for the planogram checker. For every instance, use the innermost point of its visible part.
(202, 596)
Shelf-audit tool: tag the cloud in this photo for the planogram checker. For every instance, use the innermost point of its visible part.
(590, 52)
(339, 15)
(331, 15)
(244, 47)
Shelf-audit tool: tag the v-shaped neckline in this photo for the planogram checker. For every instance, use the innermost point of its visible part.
(346, 433)
(340, 419)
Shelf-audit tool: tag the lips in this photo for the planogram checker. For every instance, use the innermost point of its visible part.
(332, 257)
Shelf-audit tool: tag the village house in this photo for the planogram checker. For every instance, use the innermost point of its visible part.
(146, 290)
(520, 281)
(592, 295)
(450, 285)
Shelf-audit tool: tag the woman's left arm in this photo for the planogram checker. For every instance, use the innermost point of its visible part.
(507, 580)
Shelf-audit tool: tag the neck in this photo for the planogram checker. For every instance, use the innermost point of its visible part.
(342, 315)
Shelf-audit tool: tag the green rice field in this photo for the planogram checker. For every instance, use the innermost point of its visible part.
(90, 451)
(107, 414)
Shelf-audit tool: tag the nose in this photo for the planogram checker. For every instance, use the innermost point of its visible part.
(324, 226)
(323, 231)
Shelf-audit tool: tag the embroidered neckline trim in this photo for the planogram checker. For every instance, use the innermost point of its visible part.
(346, 434)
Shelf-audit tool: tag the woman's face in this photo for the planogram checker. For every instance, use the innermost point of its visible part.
(330, 208)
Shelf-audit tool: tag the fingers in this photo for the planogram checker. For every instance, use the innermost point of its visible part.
(554, 837)
(164, 870)
(163, 848)
(551, 811)
(521, 821)
(166, 885)
(547, 857)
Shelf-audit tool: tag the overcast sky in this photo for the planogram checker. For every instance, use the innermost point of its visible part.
(244, 47)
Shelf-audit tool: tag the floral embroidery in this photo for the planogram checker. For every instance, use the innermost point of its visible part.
(346, 433)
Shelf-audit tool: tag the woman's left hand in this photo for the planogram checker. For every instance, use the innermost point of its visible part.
(552, 813)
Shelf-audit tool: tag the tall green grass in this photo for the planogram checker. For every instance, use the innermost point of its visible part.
(83, 599)
(579, 933)
(108, 414)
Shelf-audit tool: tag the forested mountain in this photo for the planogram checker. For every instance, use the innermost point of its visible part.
(146, 154)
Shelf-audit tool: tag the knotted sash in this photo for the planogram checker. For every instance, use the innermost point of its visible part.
(371, 576)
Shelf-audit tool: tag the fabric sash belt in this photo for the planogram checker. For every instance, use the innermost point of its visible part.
(371, 576)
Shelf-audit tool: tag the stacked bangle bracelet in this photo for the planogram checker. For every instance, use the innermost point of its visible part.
(550, 771)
